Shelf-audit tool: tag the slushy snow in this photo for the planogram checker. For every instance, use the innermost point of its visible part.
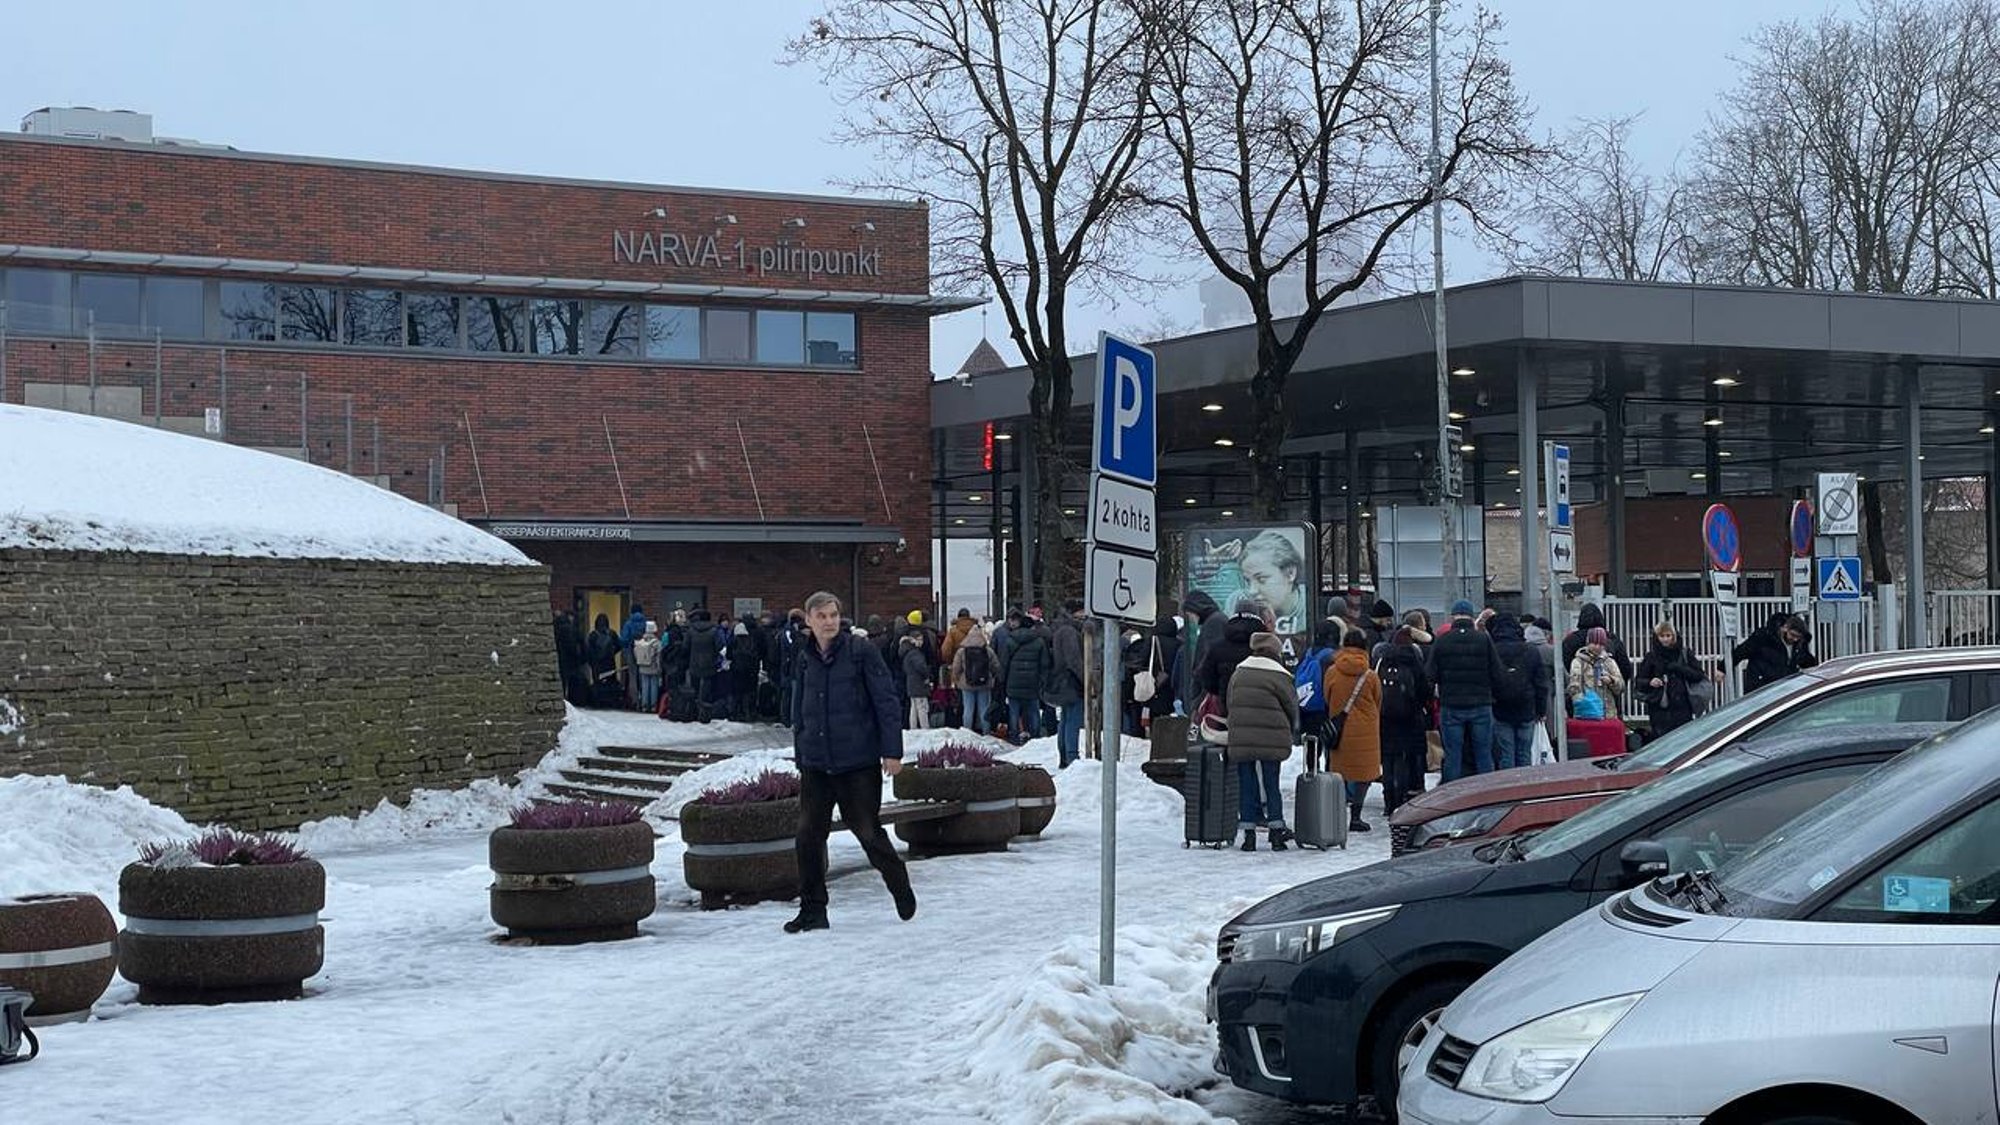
(985, 1008)
(77, 483)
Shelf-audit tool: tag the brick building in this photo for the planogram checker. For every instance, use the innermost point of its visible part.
(669, 395)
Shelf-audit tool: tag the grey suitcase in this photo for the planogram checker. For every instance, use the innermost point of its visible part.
(1210, 789)
(1319, 805)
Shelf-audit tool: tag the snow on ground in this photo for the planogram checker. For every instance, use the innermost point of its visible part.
(74, 482)
(56, 837)
(984, 1008)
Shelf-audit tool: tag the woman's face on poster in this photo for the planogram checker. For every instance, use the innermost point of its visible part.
(1275, 585)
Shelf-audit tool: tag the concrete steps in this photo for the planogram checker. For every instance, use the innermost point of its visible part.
(641, 774)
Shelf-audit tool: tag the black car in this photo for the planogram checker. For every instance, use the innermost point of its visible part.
(1325, 991)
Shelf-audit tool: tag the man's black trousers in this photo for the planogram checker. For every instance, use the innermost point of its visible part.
(858, 795)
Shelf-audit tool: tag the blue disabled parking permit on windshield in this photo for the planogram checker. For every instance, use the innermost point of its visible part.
(1916, 894)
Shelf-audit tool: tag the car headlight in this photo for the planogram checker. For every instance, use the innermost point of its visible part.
(1296, 941)
(1531, 1062)
(1459, 825)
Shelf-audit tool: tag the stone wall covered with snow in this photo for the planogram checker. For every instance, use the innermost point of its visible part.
(265, 692)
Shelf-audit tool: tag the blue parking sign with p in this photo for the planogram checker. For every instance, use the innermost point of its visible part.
(1126, 444)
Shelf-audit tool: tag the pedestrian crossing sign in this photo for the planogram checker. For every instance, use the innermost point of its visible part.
(1840, 578)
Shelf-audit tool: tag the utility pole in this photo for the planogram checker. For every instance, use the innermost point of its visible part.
(1447, 504)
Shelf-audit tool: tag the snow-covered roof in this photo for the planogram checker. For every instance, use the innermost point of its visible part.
(76, 483)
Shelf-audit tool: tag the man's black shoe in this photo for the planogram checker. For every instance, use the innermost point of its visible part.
(906, 904)
(807, 920)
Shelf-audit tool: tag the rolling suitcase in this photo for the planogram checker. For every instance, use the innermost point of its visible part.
(1210, 789)
(1319, 807)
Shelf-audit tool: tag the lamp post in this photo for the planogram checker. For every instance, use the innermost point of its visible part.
(1447, 503)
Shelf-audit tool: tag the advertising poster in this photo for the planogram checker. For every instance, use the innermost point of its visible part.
(1274, 562)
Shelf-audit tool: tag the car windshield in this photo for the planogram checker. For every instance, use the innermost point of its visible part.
(1626, 810)
(1832, 838)
(1665, 750)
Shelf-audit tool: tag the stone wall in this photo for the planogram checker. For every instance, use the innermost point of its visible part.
(266, 692)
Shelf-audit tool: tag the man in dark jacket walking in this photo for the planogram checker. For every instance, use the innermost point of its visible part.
(1521, 695)
(847, 730)
(1465, 666)
(1782, 647)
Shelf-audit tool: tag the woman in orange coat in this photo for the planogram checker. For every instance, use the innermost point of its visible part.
(1357, 757)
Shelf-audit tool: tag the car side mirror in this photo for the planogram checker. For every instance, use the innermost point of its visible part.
(1642, 861)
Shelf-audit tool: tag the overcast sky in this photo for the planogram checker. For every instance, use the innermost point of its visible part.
(690, 91)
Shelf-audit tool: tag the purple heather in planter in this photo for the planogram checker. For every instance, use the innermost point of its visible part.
(222, 847)
(956, 756)
(771, 785)
(575, 814)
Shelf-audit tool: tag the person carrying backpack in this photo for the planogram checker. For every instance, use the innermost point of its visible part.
(975, 671)
(1406, 709)
(646, 657)
(1520, 695)
(1310, 678)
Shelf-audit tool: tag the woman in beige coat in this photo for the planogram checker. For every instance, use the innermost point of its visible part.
(1263, 716)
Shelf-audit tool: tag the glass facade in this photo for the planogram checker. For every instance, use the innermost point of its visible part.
(249, 310)
(65, 302)
(110, 303)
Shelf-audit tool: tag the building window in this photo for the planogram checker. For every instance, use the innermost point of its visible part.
(374, 318)
(673, 332)
(430, 320)
(830, 340)
(781, 336)
(249, 310)
(554, 327)
(110, 302)
(174, 307)
(612, 329)
(38, 300)
(726, 335)
(305, 312)
(495, 324)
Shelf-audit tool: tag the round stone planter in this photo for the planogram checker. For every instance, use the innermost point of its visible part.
(1037, 801)
(63, 948)
(565, 886)
(992, 813)
(215, 935)
(740, 854)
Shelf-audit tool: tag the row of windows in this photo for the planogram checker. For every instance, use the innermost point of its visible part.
(66, 302)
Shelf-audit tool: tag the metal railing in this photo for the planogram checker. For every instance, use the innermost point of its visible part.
(1699, 623)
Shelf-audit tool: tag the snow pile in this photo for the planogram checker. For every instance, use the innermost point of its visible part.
(482, 806)
(1057, 1046)
(741, 766)
(155, 491)
(58, 836)
(10, 717)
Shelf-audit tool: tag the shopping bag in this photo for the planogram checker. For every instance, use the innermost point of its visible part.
(1544, 750)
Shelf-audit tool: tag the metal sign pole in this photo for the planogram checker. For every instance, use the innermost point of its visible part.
(1107, 912)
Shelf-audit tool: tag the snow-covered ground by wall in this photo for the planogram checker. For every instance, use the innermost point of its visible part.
(985, 1008)
(74, 482)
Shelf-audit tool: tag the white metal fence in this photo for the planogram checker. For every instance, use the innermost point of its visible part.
(1964, 617)
(1699, 623)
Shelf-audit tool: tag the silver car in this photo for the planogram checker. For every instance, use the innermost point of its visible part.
(1843, 972)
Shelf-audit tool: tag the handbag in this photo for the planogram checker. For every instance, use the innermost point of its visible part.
(14, 1031)
(1210, 723)
(1701, 695)
(1145, 683)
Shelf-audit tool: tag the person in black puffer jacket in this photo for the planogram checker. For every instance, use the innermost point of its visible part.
(704, 661)
(1024, 675)
(1205, 625)
(1406, 715)
(1219, 660)
(1521, 697)
(1663, 680)
(1465, 666)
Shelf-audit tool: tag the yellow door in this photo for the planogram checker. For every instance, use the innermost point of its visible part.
(610, 603)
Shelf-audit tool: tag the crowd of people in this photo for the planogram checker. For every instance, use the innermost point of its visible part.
(1386, 697)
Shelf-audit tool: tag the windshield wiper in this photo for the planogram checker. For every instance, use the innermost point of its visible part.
(1705, 893)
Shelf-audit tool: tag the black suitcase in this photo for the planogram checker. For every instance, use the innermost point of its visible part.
(1212, 793)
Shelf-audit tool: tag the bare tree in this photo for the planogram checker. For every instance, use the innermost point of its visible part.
(1859, 154)
(1018, 120)
(1297, 137)
(1593, 211)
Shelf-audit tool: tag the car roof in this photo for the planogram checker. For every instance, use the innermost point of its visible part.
(1912, 660)
(1834, 741)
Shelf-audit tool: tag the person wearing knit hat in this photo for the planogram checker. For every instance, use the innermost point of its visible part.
(1465, 666)
(1594, 672)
